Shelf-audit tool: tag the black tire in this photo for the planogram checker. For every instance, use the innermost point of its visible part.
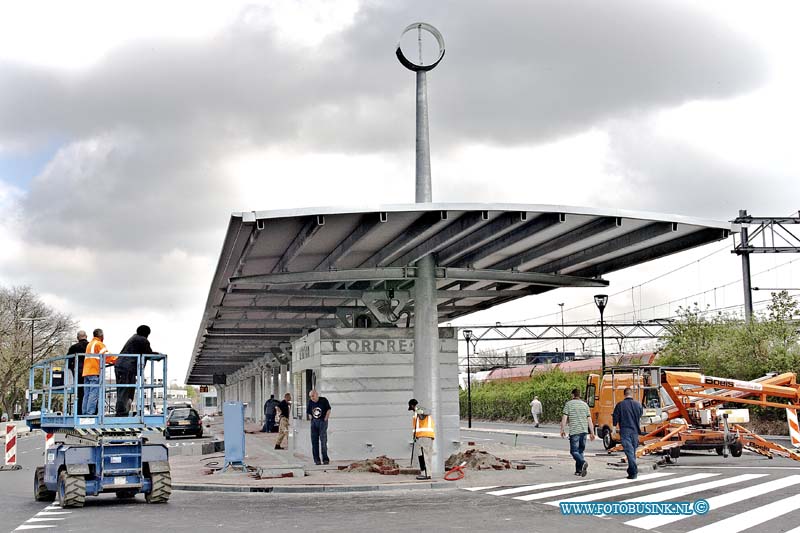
(608, 441)
(719, 450)
(40, 492)
(127, 494)
(674, 453)
(200, 434)
(736, 449)
(71, 490)
(167, 435)
(162, 488)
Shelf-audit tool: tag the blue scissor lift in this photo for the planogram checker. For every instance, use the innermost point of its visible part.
(101, 452)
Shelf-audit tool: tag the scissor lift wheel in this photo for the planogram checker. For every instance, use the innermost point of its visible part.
(162, 488)
(71, 490)
(40, 491)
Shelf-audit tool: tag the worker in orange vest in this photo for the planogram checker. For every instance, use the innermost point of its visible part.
(91, 372)
(422, 424)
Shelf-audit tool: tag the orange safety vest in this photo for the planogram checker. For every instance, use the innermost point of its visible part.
(91, 365)
(423, 427)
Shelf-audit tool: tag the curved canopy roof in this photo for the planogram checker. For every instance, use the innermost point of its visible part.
(282, 273)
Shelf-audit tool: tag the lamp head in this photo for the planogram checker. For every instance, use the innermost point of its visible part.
(467, 334)
(600, 300)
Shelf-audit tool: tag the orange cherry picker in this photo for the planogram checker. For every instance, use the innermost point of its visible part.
(693, 417)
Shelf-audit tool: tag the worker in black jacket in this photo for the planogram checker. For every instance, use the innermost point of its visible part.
(77, 348)
(626, 416)
(125, 368)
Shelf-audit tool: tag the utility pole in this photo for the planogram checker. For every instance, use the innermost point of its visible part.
(748, 293)
(564, 340)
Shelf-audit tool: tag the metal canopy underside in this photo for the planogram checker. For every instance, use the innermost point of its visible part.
(282, 273)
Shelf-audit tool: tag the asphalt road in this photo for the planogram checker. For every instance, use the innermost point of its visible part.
(750, 493)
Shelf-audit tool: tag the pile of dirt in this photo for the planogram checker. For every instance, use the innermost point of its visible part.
(378, 465)
(477, 460)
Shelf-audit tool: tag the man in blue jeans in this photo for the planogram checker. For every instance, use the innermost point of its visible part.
(626, 416)
(319, 411)
(577, 414)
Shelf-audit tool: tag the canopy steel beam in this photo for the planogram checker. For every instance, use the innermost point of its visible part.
(345, 294)
(426, 225)
(484, 235)
(465, 224)
(306, 233)
(697, 238)
(632, 238)
(255, 333)
(271, 322)
(581, 233)
(366, 225)
(537, 225)
(401, 273)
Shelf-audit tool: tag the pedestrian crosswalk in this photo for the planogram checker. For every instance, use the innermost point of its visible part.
(734, 502)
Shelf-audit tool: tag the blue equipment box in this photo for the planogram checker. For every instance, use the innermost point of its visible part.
(233, 413)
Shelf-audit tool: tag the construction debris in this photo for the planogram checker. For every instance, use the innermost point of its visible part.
(380, 465)
(477, 460)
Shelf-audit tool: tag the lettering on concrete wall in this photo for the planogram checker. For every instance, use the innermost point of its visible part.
(371, 345)
(304, 352)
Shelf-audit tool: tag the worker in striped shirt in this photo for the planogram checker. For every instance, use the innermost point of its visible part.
(91, 372)
(576, 414)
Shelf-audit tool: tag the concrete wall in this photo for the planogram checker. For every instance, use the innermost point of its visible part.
(368, 377)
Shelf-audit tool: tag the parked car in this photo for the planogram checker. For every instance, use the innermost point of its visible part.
(183, 421)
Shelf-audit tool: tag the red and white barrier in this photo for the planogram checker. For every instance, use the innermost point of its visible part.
(794, 427)
(11, 444)
(49, 441)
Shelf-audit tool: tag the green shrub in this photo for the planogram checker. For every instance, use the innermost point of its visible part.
(511, 401)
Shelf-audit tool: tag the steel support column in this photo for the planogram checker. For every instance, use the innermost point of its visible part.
(748, 293)
(284, 383)
(426, 321)
(276, 387)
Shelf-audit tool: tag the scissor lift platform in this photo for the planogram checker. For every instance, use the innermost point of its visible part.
(100, 452)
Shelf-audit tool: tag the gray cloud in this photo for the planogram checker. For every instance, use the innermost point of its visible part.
(656, 172)
(515, 72)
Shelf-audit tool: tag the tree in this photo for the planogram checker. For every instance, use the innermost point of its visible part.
(726, 346)
(52, 335)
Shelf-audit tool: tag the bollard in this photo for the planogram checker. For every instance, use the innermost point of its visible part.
(794, 427)
(11, 445)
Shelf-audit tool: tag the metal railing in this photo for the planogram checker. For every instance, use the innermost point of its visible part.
(54, 384)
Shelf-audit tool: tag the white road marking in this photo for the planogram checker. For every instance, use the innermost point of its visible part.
(636, 488)
(740, 467)
(474, 489)
(683, 491)
(530, 488)
(586, 488)
(48, 514)
(795, 530)
(651, 522)
(752, 518)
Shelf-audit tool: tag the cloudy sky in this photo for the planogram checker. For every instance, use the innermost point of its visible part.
(129, 131)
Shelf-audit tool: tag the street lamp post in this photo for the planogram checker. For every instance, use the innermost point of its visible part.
(600, 300)
(470, 340)
(33, 320)
(563, 334)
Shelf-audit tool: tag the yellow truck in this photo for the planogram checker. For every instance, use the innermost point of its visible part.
(603, 393)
